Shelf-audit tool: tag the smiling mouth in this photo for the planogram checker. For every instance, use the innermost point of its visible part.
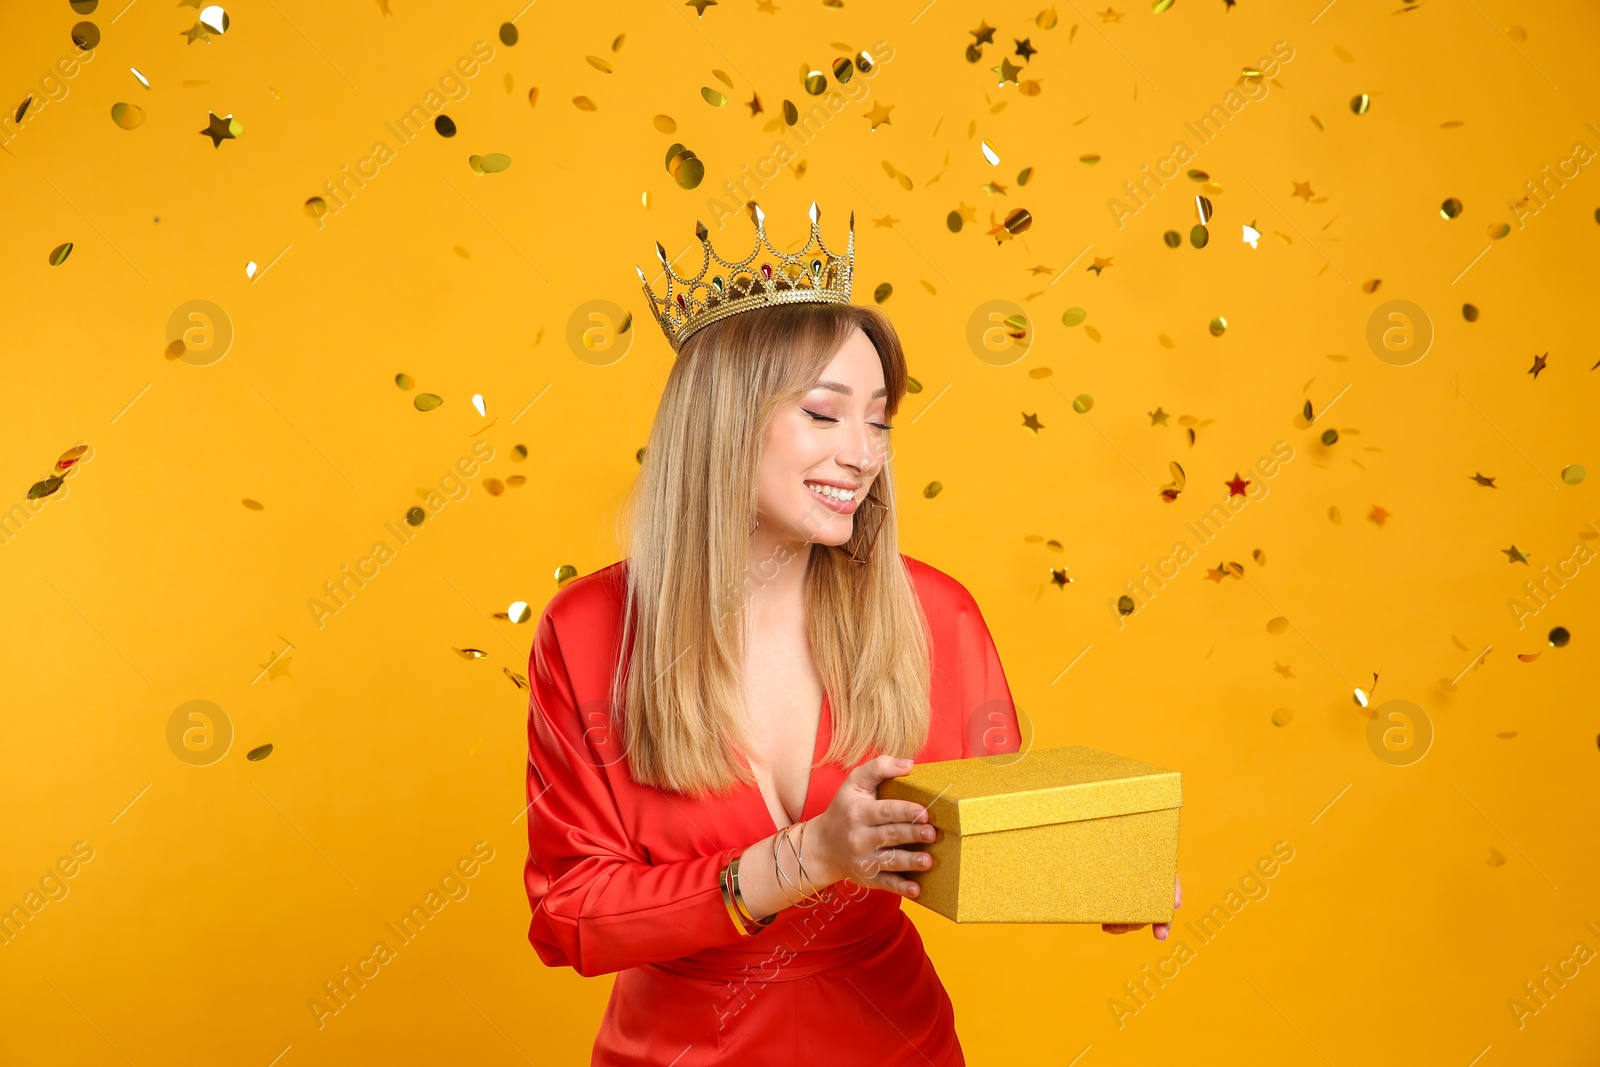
(844, 501)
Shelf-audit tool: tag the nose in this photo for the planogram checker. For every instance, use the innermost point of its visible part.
(864, 453)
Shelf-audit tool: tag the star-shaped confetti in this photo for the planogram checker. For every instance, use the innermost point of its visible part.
(766, 5)
(1303, 191)
(879, 115)
(195, 33)
(1251, 234)
(1110, 15)
(1217, 575)
(998, 230)
(1236, 487)
(1283, 669)
(1008, 71)
(1538, 365)
(1158, 417)
(1515, 555)
(886, 222)
(1100, 263)
(1481, 480)
(968, 214)
(277, 668)
(994, 188)
(1025, 49)
(700, 6)
(1378, 515)
(984, 34)
(1032, 422)
(1041, 269)
(1059, 577)
(221, 129)
(754, 104)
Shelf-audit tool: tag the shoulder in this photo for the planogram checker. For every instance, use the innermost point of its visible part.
(936, 589)
(584, 616)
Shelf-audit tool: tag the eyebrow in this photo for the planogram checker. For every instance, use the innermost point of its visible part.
(840, 387)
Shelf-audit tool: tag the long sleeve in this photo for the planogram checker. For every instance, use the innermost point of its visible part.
(991, 723)
(599, 905)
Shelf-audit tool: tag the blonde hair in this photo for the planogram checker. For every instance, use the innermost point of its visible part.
(680, 694)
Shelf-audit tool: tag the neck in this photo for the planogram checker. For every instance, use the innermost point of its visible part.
(777, 572)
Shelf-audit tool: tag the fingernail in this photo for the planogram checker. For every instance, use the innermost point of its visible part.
(905, 763)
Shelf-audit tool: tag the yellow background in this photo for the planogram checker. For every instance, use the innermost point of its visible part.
(220, 901)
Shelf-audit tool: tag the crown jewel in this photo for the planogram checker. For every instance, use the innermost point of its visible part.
(813, 275)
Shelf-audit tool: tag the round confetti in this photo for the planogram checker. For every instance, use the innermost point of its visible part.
(1199, 235)
(1124, 605)
(86, 35)
(565, 573)
(85, 7)
(1282, 717)
(1277, 625)
(1219, 326)
(1330, 436)
(1469, 312)
(665, 123)
(1018, 220)
(791, 114)
(1572, 473)
(1073, 316)
(816, 82)
(843, 70)
(1198, 176)
(1173, 238)
(1498, 230)
(427, 401)
(881, 293)
(316, 207)
(214, 19)
(1360, 103)
(952, 221)
(1082, 403)
(1450, 208)
(1023, 175)
(508, 34)
(714, 97)
(445, 126)
(932, 489)
(59, 254)
(404, 381)
(257, 754)
(414, 516)
(493, 163)
(1559, 637)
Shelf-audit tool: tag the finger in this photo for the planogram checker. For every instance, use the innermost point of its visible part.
(1160, 930)
(1122, 928)
(902, 833)
(893, 811)
(894, 883)
(867, 776)
(893, 859)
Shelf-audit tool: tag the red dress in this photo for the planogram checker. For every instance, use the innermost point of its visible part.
(623, 877)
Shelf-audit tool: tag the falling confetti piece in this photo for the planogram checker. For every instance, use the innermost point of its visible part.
(1450, 208)
(1172, 238)
(1073, 316)
(1506, 735)
(1559, 637)
(565, 573)
(1278, 625)
(1330, 436)
(1469, 312)
(1219, 326)
(1092, 334)
(1282, 717)
(59, 254)
(583, 103)
(477, 402)
(932, 489)
(86, 35)
(1495, 858)
(1251, 236)
(1090, 159)
(1371, 285)
(127, 116)
(493, 163)
(1498, 230)
(1334, 516)
(1572, 474)
(316, 207)
(989, 153)
(714, 97)
(255, 755)
(444, 126)
(1023, 175)
(404, 381)
(470, 653)
(1528, 657)
(1199, 235)
(214, 19)
(1082, 403)
(142, 79)
(1360, 697)
(427, 401)
(494, 486)
(253, 505)
(1125, 605)
(508, 34)
(1360, 103)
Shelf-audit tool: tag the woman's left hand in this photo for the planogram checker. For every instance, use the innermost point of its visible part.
(1159, 929)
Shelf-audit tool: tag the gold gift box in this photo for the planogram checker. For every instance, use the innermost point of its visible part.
(1055, 835)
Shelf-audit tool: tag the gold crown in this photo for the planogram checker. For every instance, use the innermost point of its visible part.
(819, 277)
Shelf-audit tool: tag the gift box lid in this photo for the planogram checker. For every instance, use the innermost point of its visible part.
(985, 794)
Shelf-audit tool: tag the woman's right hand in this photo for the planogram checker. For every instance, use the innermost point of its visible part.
(854, 839)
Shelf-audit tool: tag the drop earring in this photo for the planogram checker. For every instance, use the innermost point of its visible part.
(880, 511)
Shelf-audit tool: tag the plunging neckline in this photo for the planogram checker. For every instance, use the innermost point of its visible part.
(824, 722)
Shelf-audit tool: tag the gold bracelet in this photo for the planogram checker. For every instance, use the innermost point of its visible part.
(723, 877)
(777, 869)
(738, 898)
(805, 901)
(826, 893)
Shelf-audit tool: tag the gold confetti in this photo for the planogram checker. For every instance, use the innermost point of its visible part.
(881, 293)
(493, 163)
(714, 97)
(1360, 103)
(1282, 717)
(1082, 403)
(1219, 326)
(127, 116)
(471, 653)
(1278, 625)
(255, 755)
(599, 64)
(1573, 473)
(427, 401)
(583, 103)
(1450, 208)
(59, 254)
(932, 489)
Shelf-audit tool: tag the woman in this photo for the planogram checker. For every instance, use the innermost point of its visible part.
(717, 839)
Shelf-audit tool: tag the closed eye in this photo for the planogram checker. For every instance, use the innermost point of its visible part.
(829, 418)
